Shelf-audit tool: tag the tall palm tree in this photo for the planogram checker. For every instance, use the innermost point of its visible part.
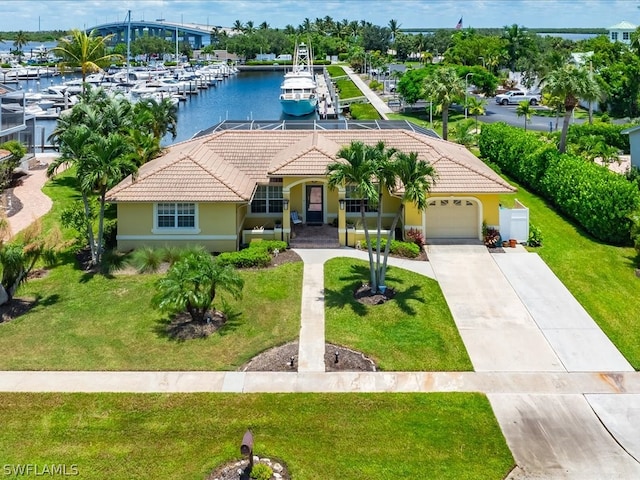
(87, 51)
(475, 107)
(107, 162)
(444, 87)
(394, 26)
(237, 26)
(414, 178)
(571, 84)
(21, 40)
(525, 110)
(358, 169)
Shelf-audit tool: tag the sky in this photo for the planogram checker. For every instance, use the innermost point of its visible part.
(34, 15)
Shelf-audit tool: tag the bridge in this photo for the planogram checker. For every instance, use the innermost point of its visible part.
(196, 35)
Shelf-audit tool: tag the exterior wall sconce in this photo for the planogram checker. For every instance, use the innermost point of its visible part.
(285, 203)
(341, 202)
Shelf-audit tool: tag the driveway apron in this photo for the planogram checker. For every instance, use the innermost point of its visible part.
(496, 328)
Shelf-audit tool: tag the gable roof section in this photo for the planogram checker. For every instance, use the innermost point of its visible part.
(624, 25)
(226, 166)
(185, 175)
(309, 156)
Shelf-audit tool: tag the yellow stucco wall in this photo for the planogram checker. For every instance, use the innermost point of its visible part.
(216, 224)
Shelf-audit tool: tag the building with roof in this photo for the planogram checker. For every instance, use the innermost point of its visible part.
(621, 32)
(240, 182)
(15, 122)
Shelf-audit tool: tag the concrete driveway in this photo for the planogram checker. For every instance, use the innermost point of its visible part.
(514, 315)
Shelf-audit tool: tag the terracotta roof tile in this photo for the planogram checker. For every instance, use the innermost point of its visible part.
(227, 165)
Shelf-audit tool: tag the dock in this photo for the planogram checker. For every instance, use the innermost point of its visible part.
(327, 98)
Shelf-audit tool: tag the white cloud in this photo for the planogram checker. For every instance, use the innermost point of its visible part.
(66, 14)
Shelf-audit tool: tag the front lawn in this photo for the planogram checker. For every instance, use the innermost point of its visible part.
(600, 276)
(185, 436)
(412, 332)
(85, 322)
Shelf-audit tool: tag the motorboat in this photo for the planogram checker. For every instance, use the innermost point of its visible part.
(298, 95)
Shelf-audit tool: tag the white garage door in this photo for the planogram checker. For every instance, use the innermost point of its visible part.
(452, 218)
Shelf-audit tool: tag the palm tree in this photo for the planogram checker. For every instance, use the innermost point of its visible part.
(192, 283)
(359, 170)
(88, 52)
(21, 40)
(159, 118)
(525, 110)
(18, 258)
(475, 107)
(107, 162)
(444, 87)
(394, 26)
(571, 84)
(415, 177)
(462, 133)
(237, 26)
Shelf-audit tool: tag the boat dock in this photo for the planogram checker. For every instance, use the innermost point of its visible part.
(327, 98)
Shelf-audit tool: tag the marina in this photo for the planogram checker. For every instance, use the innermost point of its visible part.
(202, 100)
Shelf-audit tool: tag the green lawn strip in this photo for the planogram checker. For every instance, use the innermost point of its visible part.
(600, 276)
(97, 323)
(413, 332)
(185, 436)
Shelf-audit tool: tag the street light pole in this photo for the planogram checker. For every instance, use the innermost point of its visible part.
(466, 88)
(483, 65)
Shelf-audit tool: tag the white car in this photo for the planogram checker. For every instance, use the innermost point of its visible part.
(514, 97)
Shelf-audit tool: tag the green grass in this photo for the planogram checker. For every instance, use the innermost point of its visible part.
(185, 436)
(413, 332)
(600, 276)
(364, 111)
(85, 322)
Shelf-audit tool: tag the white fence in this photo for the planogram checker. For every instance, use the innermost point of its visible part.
(514, 222)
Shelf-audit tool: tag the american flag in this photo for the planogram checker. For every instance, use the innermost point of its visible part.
(459, 24)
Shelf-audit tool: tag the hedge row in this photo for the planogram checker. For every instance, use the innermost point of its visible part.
(608, 131)
(258, 254)
(601, 201)
(397, 247)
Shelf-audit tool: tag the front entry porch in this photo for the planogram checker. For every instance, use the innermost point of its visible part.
(315, 236)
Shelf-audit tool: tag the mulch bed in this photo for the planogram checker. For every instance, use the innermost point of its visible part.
(17, 307)
(285, 359)
(363, 295)
(238, 469)
(182, 327)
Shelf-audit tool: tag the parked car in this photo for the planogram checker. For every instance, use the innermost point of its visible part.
(514, 97)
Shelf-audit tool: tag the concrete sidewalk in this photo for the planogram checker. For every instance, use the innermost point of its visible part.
(382, 108)
(34, 203)
(559, 422)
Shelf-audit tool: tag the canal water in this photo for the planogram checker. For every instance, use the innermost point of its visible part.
(244, 96)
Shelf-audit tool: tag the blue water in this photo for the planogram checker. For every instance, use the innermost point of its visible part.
(244, 96)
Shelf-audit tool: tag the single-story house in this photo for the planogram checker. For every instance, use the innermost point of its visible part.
(228, 187)
(621, 32)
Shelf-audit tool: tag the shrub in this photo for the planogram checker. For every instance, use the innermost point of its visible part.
(270, 245)
(535, 236)
(608, 131)
(247, 258)
(397, 247)
(601, 201)
(261, 471)
(415, 236)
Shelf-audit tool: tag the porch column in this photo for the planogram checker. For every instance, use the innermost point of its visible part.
(342, 217)
(286, 214)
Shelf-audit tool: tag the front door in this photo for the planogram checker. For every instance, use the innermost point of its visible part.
(314, 205)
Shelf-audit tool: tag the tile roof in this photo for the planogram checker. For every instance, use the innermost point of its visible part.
(227, 165)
